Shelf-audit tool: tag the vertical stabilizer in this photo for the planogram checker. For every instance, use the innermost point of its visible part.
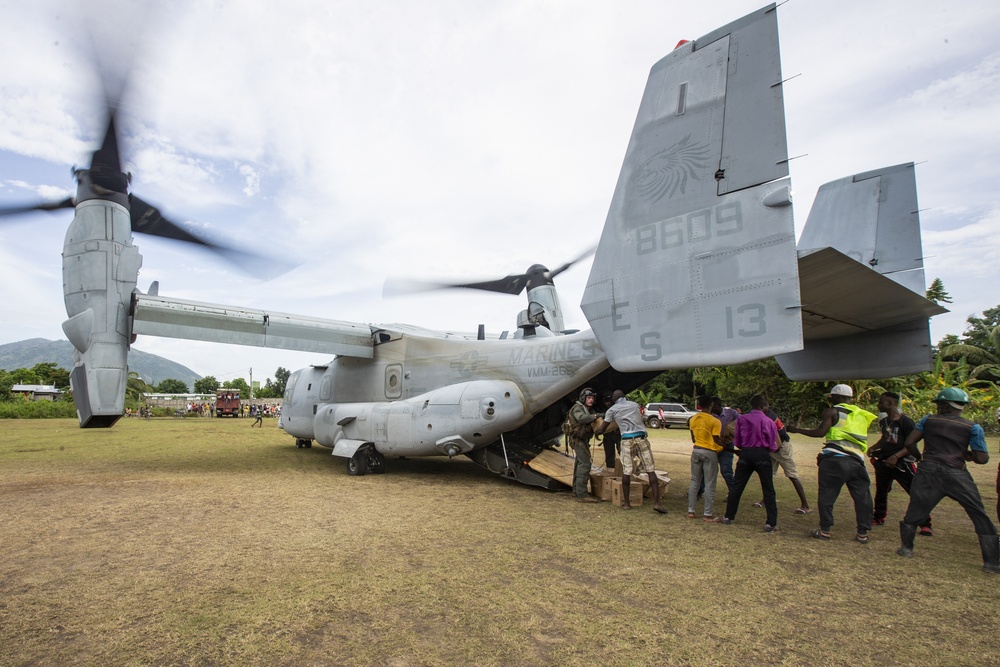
(696, 265)
(872, 218)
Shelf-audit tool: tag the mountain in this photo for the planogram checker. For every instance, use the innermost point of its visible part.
(150, 367)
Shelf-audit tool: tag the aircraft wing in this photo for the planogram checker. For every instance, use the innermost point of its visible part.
(155, 315)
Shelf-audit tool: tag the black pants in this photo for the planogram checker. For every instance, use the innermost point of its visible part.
(885, 475)
(836, 471)
(754, 460)
(612, 445)
(933, 482)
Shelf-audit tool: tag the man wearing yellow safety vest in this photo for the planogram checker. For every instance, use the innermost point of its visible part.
(842, 461)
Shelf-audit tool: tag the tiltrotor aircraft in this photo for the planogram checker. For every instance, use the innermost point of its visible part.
(697, 266)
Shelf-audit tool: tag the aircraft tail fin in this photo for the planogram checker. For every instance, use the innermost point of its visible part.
(861, 275)
(872, 218)
(696, 265)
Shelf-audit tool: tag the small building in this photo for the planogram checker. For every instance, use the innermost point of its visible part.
(37, 392)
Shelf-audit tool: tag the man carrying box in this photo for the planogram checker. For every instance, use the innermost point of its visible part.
(626, 415)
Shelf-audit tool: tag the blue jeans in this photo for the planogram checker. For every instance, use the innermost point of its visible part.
(754, 460)
(726, 468)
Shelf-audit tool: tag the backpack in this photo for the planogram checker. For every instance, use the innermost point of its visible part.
(573, 428)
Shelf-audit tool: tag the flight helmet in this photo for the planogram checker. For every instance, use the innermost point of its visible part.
(587, 392)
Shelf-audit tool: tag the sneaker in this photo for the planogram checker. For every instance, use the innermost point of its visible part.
(878, 522)
(768, 528)
(904, 552)
(726, 521)
(926, 531)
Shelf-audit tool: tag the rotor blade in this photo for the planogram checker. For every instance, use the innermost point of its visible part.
(44, 206)
(105, 166)
(147, 219)
(586, 253)
(508, 285)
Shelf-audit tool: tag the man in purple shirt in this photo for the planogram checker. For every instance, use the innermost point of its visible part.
(755, 438)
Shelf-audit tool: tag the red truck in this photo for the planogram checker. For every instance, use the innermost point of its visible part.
(227, 402)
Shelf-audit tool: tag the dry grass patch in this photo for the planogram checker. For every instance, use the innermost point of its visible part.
(205, 542)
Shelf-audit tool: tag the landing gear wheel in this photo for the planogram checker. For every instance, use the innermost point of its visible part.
(357, 465)
(376, 462)
(303, 443)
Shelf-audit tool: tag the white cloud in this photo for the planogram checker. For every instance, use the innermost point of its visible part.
(453, 139)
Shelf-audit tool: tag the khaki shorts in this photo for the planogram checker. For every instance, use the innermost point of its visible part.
(783, 458)
(638, 447)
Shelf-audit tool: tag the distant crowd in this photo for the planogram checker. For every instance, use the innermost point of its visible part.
(760, 444)
(208, 409)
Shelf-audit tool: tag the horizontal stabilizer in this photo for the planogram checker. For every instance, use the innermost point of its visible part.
(178, 318)
(897, 350)
(841, 297)
(696, 265)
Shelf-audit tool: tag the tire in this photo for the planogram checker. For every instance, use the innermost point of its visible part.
(654, 422)
(357, 465)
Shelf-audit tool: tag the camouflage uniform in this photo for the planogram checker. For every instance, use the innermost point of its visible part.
(583, 415)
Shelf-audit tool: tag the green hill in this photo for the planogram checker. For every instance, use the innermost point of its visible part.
(150, 367)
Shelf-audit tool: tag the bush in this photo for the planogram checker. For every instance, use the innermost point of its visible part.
(19, 409)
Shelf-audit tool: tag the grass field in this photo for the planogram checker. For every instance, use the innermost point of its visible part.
(205, 542)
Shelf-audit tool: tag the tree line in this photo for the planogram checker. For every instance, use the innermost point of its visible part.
(48, 373)
(970, 362)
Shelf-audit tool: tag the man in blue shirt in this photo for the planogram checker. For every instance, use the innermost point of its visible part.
(949, 441)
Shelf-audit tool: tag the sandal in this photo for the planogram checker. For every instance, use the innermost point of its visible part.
(820, 534)
(803, 510)
(758, 504)
(861, 539)
(691, 515)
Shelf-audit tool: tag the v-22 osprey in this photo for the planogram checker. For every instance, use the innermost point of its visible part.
(697, 265)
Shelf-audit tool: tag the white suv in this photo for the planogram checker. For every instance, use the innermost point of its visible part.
(665, 415)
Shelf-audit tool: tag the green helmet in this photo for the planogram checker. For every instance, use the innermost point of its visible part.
(952, 395)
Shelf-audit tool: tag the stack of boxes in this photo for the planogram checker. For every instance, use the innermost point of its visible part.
(607, 485)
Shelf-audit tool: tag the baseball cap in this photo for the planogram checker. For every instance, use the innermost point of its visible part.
(841, 390)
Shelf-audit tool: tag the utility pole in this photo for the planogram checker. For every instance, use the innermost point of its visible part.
(251, 383)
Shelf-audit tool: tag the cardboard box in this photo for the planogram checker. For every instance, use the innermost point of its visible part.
(647, 490)
(635, 493)
(600, 484)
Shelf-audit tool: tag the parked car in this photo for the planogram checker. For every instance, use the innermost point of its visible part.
(665, 415)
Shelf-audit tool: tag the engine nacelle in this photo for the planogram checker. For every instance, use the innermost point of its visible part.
(451, 420)
(100, 269)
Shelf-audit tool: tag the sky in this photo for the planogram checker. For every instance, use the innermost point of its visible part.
(452, 140)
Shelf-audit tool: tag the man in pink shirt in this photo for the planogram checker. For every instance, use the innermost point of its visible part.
(755, 438)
